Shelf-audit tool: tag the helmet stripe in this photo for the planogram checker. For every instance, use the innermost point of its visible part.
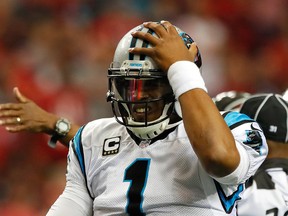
(135, 42)
(145, 44)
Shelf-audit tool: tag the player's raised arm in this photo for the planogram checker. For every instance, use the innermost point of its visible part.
(209, 135)
(26, 115)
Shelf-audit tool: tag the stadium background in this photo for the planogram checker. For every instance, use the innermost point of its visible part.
(57, 52)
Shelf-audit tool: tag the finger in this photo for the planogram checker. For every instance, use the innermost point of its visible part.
(193, 49)
(11, 121)
(15, 128)
(158, 28)
(168, 26)
(10, 113)
(20, 97)
(142, 51)
(9, 106)
(145, 36)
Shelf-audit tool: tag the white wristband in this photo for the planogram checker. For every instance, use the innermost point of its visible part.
(184, 76)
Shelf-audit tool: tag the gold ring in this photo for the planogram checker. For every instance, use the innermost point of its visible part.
(18, 119)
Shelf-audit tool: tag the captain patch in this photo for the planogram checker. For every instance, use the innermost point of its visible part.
(111, 146)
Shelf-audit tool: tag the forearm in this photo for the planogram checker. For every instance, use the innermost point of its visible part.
(32, 118)
(65, 140)
(208, 133)
(50, 129)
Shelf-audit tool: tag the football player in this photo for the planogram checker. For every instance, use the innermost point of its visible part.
(151, 159)
(267, 190)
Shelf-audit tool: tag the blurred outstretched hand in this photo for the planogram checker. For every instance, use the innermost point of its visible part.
(26, 115)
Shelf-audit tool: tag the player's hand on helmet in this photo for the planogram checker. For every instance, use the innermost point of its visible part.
(25, 116)
(167, 48)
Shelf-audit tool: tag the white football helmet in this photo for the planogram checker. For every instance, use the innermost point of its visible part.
(141, 96)
(230, 100)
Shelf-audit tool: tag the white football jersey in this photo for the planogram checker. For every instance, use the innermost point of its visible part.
(267, 191)
(109, 174)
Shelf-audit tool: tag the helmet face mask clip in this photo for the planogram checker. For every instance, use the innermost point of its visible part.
(134, 68)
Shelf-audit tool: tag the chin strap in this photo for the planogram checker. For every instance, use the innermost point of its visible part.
(151, 131)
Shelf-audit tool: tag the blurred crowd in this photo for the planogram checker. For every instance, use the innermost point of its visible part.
(57, 52)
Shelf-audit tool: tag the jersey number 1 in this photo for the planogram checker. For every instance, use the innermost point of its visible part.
(136, 174)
